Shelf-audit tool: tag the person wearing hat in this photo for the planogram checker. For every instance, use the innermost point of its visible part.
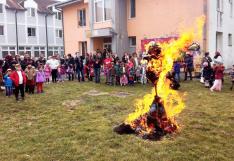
(19, 79)
(219, 74)
(30, 74)
(8, 83)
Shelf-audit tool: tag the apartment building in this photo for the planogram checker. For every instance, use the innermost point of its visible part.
(125, 25)
(30, 26)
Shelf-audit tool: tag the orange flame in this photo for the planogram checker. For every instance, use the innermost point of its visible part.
(172, 100)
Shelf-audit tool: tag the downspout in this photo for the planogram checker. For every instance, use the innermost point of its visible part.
(16, 32)
(205, 36)
(63, 33)
(61, 10)
(47, 43)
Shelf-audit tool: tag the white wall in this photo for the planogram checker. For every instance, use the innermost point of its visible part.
(227, 28)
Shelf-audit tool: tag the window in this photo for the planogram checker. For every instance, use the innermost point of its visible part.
(107, 9)
(1, 8)
(231, 7)
(132, 8)
(82, 17)
(59, 33)
(132, 41)
(8, 50)
(31, 31)
(98, 10)
(229, 39)
(31, 12)
(102, 10)
(58, 15)
(1, 30)
(220, 5)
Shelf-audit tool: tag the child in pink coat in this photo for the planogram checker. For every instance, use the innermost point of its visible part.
(47, 71)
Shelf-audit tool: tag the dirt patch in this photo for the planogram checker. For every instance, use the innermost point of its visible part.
(121, 94)
(95, 93)
(71, 104)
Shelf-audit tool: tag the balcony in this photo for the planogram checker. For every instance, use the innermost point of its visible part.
(104, 32)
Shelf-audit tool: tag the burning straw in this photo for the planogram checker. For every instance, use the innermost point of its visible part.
(154, 114)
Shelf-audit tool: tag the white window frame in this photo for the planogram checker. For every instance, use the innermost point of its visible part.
(58, 33)
(57, 16)
(219, 5)
(230, 40)
(103, 12)
(231, 7)
(30, 12)
(2, 30)
(130, 41)
(31, 31)
(84, 17)
(130, 10)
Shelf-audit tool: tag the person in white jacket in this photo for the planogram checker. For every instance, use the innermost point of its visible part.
(53, 63)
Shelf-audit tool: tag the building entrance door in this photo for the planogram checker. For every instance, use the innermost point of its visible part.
(107, 46)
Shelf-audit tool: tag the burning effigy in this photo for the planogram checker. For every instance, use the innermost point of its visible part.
(154, 116)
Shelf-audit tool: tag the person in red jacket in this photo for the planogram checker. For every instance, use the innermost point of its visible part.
(219, 73)
(19, 79)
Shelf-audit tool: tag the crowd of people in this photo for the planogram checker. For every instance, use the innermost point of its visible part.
(212, 74)
(22, 73)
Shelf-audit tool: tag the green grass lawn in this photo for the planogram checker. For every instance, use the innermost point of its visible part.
(42, 128)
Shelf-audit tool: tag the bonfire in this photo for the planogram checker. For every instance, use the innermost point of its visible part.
(154, 116)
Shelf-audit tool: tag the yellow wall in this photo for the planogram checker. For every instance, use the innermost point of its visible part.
(74, 33)
(162, 18)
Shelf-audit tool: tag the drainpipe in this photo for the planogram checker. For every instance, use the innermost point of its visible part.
(205, 36)
(63, 33)
(16, 32)
(47, 43)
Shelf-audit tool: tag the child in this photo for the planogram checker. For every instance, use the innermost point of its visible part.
(47, 71)
(30, 74)
(232, 77)
(117, 73)
(8, 83)
(19, 79)
(138, 74)
(143, 71)
(218, 70)
(62, 73)
(70, 72)
(207, 75)
(123, 78)
(112, 73)
(177, 71)
(91, 72)
(40, 79)
(131, 74)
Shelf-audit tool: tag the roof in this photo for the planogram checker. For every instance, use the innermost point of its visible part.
(42, 5)
(66, 3)
(13, 4)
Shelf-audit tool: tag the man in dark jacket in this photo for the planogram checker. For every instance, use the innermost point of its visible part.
(79, 67)
(188, 62)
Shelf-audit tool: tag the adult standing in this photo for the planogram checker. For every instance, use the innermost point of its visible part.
(218, 58)
(19, 79)
(188, 62)
(206, 60)
(53, 63)
(79, 67)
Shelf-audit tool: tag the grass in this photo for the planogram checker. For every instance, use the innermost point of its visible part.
(42, 129)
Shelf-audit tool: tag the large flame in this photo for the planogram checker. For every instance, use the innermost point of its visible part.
(172, 100)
